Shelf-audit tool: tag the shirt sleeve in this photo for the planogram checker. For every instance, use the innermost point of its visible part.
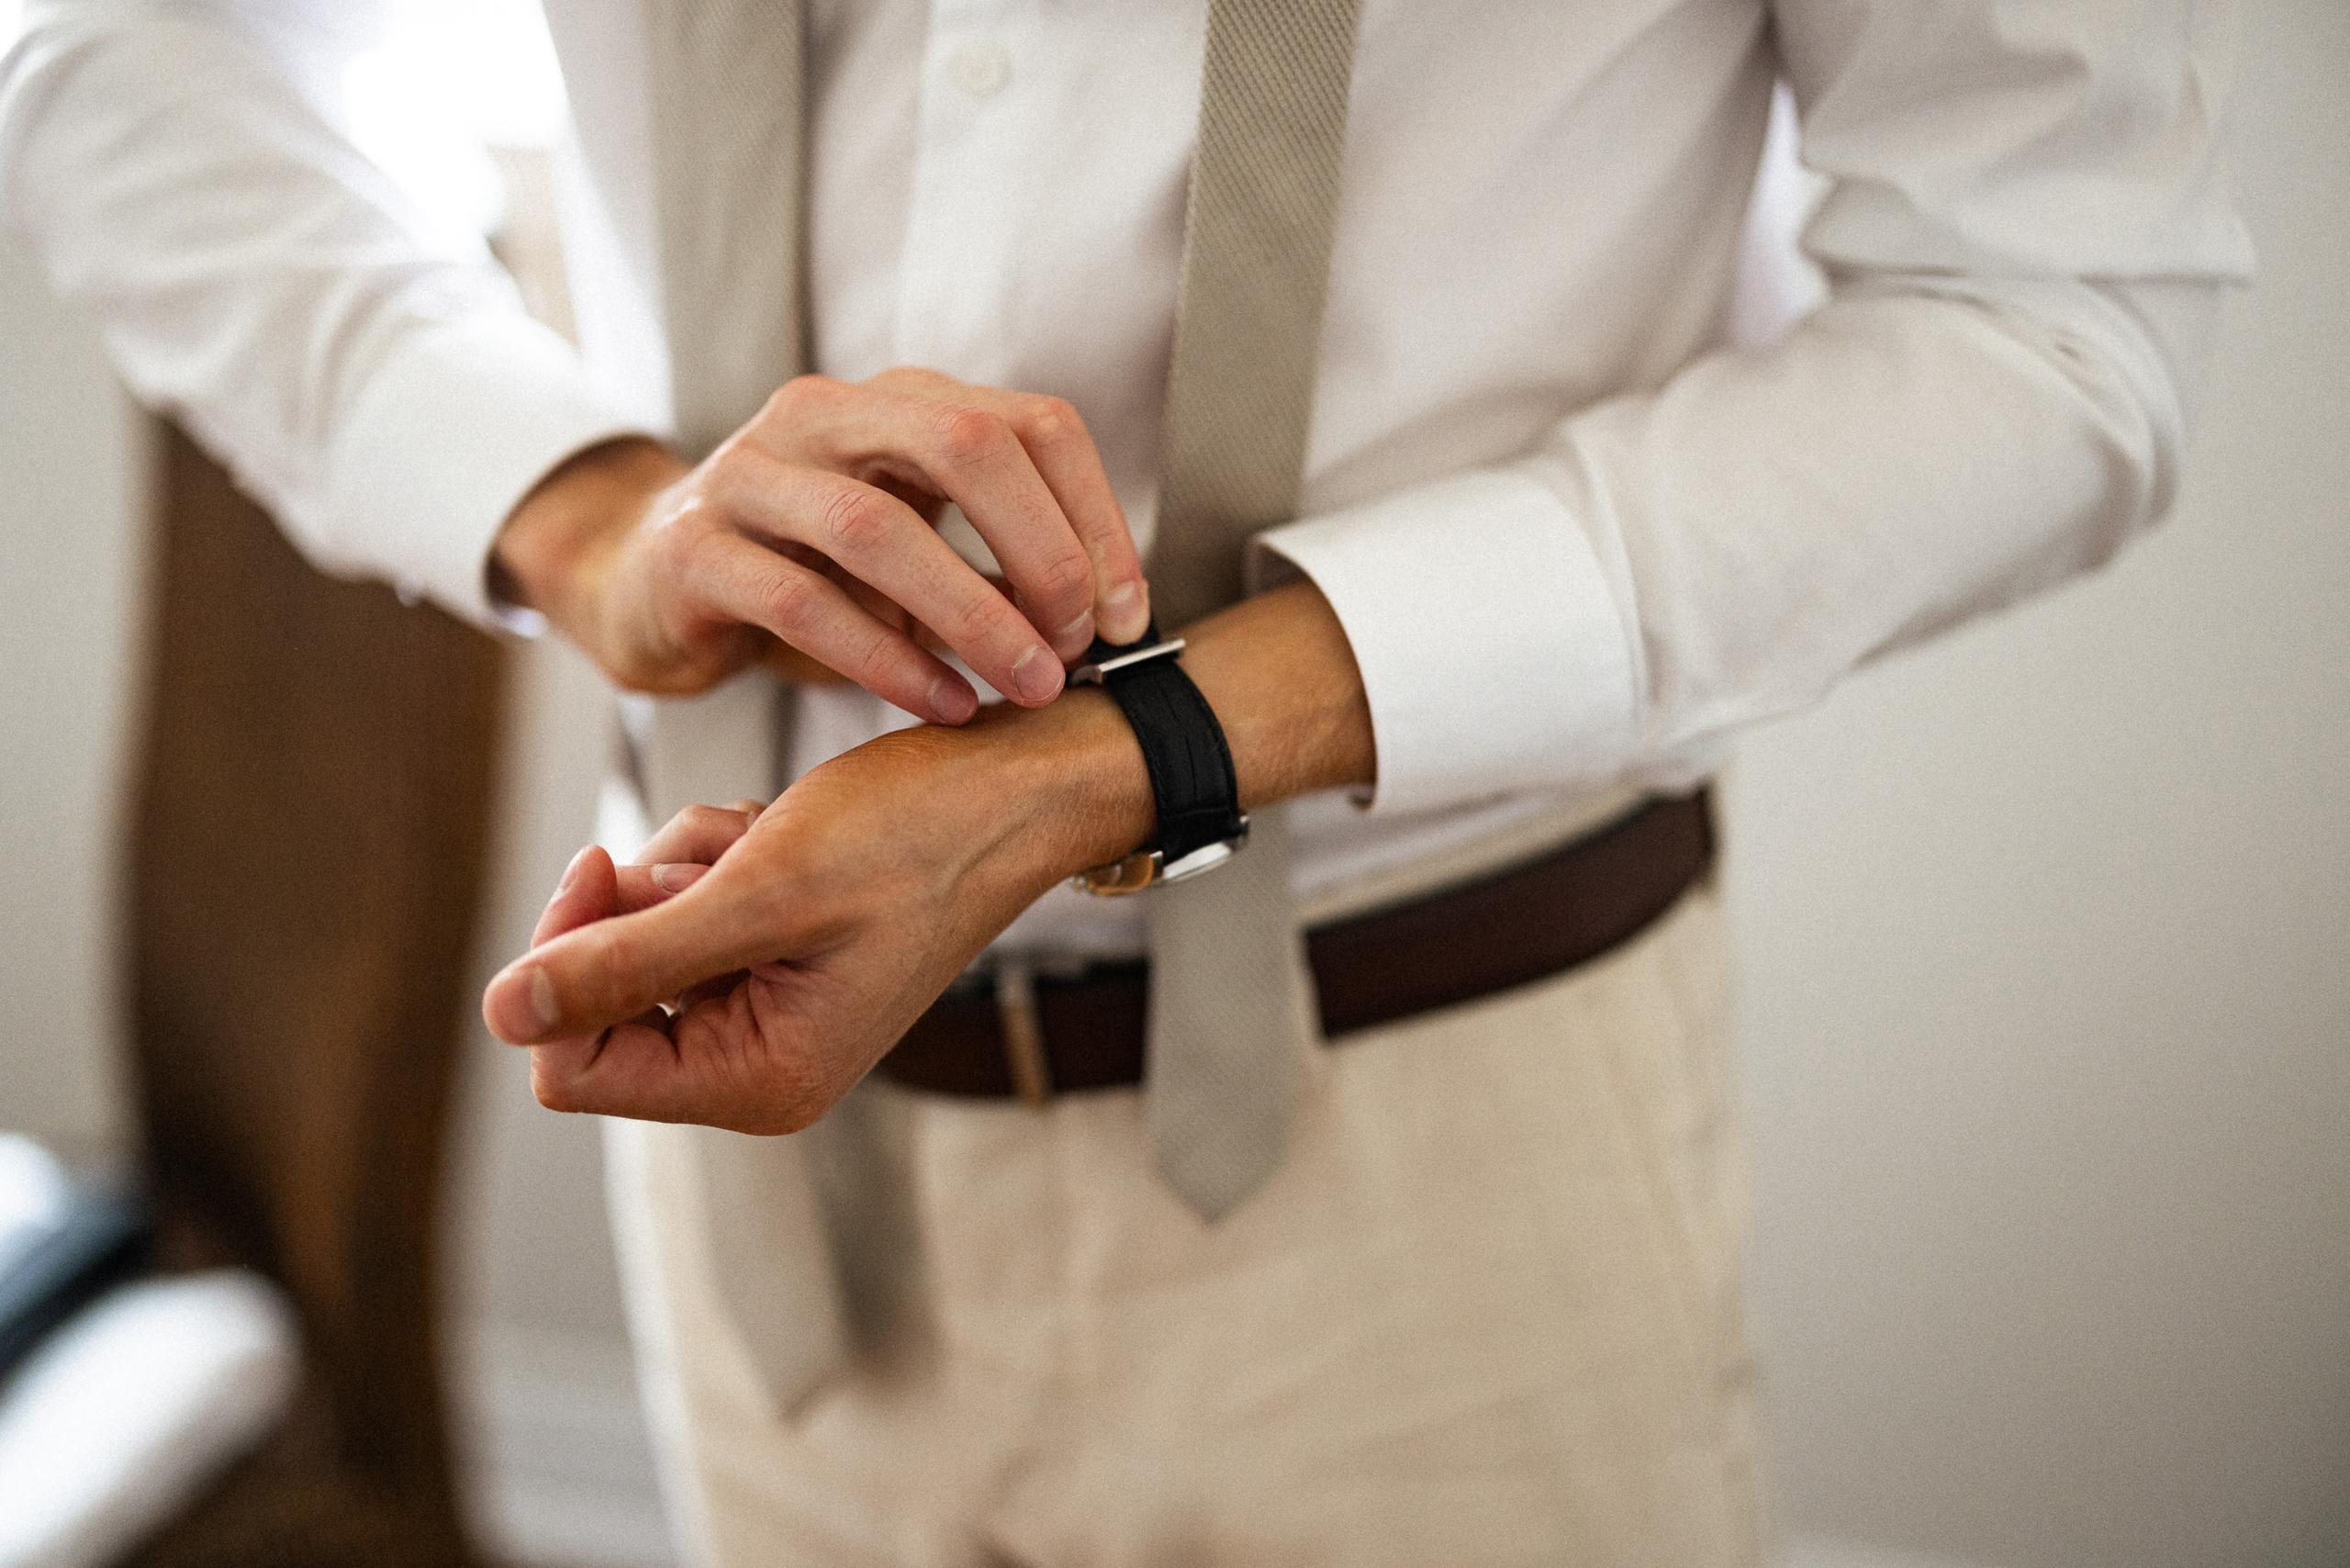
(374, 380)
(2025, 230)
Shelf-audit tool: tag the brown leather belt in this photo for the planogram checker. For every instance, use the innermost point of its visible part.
(1529, 923)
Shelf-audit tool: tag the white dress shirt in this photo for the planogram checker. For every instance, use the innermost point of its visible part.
(1576, 535)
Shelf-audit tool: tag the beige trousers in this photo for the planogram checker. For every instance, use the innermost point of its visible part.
(1488, 1311)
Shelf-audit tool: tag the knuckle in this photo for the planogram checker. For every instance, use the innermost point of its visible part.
(614, 954)
(791, 401)
(874, 658)
(682, 532)
(737, 466)
(726, 457)
(913, 378)
(788, 601)
(1051, 420)
(796, 1117)
(967, 435)
(854, 519)
(1065, 575)
(974, 622)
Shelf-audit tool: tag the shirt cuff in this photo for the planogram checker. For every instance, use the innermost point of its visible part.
(1492, 647)
(449, 432)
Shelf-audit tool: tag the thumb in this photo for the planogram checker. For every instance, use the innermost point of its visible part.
(611, 970)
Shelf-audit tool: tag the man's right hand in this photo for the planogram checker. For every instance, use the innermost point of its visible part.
(812, 527)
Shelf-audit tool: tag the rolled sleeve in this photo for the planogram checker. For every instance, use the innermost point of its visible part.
(1492, 647)
(449, 431)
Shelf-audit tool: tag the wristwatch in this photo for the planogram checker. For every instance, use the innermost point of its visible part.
(1200, 822)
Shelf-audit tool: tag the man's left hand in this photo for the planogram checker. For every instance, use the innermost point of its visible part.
(822, 927)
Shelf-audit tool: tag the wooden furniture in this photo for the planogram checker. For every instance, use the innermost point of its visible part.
(311, 828)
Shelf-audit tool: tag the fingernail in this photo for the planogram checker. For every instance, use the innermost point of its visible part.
(951, 702)
(571, 873)
(1037, 676)
(543, 997)
(504, 1003)
(1129, 612)
(676, 876)
(1075, 637)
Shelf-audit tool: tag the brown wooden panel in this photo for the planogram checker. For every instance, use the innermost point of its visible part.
(310, 830)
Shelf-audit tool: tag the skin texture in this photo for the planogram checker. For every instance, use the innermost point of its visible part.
(799, 940)
(808, 541)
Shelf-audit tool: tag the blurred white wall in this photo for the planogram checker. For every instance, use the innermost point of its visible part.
(2047, 986)
(2046, 940)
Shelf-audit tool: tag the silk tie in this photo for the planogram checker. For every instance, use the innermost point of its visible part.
(726, 77)
(1231, 1021)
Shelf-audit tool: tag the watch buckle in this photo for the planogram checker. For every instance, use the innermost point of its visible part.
(1096, 672)
(1149, 867)
(1119, 878)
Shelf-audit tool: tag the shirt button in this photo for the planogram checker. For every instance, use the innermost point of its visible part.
(982, 70)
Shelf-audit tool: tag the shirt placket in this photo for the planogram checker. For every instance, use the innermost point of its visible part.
(959, 256)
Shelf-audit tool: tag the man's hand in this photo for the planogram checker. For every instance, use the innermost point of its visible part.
(827, 922)
(810, 535)
(833, 918)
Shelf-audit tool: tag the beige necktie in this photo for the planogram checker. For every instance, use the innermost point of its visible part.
(727, 126)
(1231, 1009)
(1231, 1005)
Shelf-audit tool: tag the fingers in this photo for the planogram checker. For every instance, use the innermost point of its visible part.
(702, 1066)
(700, 834)
(1022, 467)
(747, 582)
(789, 664)
(627, 1071)
(674, 859)
(594, 888)
(641, 887)
(969, 453)
(609, 970)
(885, 545)
(1053, 435)
(587, 892)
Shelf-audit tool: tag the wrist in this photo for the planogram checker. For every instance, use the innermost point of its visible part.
(1054, 789)
(1280, 676)
(1062, 789)
(1051, 791)
(555, 551)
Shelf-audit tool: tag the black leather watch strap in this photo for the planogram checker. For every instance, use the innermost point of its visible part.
(1191, 778)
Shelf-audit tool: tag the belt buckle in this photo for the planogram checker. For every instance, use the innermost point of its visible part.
(1024, 1031)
